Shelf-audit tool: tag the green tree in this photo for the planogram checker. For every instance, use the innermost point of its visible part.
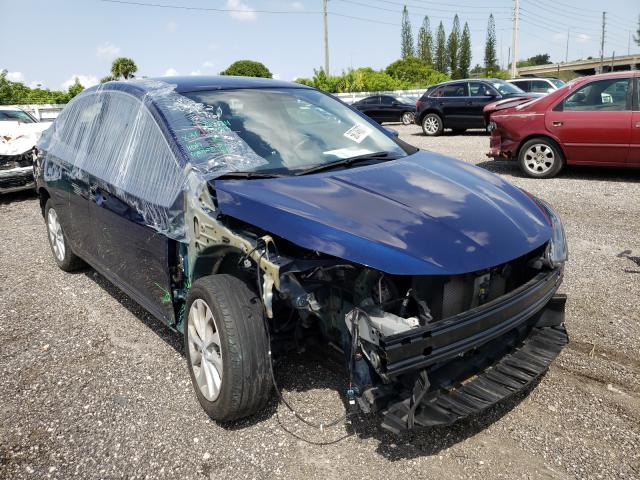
(540, 59)
(123, 67)
(247, 68)
(465, 52)
(406, 35)
(415, 72)
(490, 56)
(440, 57)
(425, 42)
(75, 89)
(453, 48)
(108, 78)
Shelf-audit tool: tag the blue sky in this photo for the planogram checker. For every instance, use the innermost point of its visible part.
(51, 41)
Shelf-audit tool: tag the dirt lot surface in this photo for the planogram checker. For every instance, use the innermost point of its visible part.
(91, 386)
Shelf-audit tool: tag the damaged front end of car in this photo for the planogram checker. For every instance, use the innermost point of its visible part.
(423, 350)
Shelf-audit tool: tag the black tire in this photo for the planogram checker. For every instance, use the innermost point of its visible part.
(458, 131)
(432, 125)
(246, 379)
(407, 118)
(541, 157)
(65, 258)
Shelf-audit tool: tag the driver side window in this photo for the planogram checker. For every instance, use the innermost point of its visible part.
(602, 95)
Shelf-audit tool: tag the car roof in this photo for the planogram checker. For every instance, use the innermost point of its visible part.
(195, 83)
(11, 109)
(468, 80)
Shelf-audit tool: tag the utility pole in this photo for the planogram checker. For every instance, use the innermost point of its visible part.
(604, 22)
(612, 59)
(566, 54)
(629, 44)
(514, 38)
(326, 37)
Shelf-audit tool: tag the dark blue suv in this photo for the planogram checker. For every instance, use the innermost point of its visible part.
(255, 216)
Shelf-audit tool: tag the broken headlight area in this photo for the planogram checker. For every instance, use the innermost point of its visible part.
(407, 340)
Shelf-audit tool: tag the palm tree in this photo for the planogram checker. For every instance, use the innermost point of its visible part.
(123, 67)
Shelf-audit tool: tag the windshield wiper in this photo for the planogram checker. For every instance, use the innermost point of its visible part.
(348, 162)
(247, 175)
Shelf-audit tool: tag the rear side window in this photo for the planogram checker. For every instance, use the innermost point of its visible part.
(602, 95)
(525, 85)
(452, 90)
(539, 86)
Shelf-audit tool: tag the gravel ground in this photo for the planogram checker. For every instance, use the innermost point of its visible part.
(91, 386)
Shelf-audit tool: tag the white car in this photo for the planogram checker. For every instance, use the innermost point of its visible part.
(537, 85)
(19, 132)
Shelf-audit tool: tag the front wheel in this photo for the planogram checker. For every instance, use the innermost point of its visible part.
(540, 158)
(227, 348)
(407, 118)
(432, 125)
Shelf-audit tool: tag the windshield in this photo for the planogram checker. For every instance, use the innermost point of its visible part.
(557, 82)
(288, 129)
(15, 116)
(505, 88)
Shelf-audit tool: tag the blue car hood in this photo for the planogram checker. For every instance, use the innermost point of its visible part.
(421, 215)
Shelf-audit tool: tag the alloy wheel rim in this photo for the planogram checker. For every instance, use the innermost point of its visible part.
(205, 351)
(539, 158)
(55, 235)
(431, 125)
(407, 118)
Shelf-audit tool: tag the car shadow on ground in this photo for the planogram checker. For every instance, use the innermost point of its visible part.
(15, 197)
(571, 172)
(297, 373)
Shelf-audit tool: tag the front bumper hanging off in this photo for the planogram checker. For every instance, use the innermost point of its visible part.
(472, 361)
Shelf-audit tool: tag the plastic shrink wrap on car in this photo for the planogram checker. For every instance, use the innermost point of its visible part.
(17, 138)
(157, 148)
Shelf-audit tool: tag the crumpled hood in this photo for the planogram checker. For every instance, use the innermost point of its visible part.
(17, 137)
(422, 215)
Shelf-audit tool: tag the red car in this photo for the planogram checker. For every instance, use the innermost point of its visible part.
(590, 121)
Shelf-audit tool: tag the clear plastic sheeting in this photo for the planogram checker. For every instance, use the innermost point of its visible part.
(148, 145)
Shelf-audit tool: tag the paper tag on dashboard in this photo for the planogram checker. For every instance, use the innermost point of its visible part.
(357, 133)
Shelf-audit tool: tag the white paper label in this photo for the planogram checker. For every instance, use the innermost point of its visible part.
(358, 133)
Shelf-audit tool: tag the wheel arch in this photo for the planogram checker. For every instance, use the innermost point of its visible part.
(43, 195)
(427, 111)
(215, 260)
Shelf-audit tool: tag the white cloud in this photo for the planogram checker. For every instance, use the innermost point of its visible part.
(241, 11)
(584, 38)
(207, 64)
(559, 37)
(85, 80)
(170, 72)
(15, 76)
(171, 27)
(196, 72)
(107, 50)
(297, 5)
(37, 84)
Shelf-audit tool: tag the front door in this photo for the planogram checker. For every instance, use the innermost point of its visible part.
(593, 123)
(134, 183)
(480, 95)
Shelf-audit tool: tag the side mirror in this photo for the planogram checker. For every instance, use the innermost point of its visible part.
(392, 131)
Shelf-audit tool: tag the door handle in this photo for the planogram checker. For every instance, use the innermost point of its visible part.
(557, 124)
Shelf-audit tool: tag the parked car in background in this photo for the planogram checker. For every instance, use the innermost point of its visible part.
(387, 108)
(537, 85)
(19, 132)
(248, 213)
(591, 121)
(458, 105)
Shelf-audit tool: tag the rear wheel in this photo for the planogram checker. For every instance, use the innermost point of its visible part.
(540, 158)
(407, 118)
(62, 254)
(226, 347)
(432, 125)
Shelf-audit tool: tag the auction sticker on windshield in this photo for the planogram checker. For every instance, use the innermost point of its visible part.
(357, 133)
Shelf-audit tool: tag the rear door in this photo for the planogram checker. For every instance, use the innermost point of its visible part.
(593, 123)
(452, 100)
(634, 150)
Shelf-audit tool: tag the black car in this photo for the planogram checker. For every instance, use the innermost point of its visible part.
(458, 104)
(386, 108)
